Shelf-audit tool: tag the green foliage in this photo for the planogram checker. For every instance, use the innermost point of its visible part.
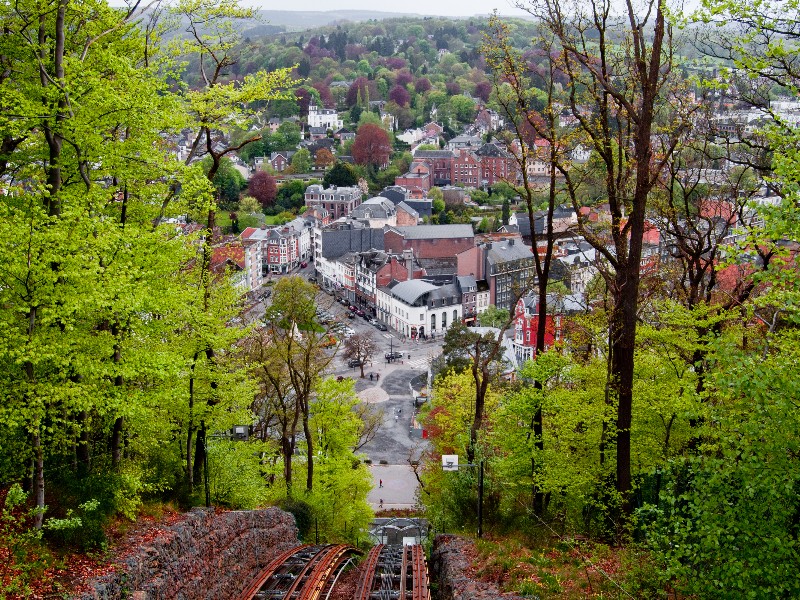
(236, 476)
(494, 317)
(24, 559)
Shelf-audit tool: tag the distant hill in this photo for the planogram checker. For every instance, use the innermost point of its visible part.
(299, 20)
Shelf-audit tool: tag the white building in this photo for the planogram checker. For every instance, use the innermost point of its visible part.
(326, 118)
(419, 308)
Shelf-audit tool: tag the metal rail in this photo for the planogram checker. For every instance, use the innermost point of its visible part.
(268, 572)
(322, 571)
(420, 574)
(364, 590)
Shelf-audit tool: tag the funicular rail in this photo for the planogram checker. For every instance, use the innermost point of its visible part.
(394, 573)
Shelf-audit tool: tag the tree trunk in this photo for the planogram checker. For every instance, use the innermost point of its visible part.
(310, 452)
(38, 478)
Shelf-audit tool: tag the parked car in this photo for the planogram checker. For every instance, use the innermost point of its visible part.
(351, 315)
(380, 326)
(354, 362)
(312, 280)
(303, 265)
(352, 308)
(393, 355)
(360, 312)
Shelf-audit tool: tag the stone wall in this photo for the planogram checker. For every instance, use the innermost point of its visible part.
(209, 555)
(451, 572)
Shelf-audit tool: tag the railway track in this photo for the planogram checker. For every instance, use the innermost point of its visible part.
(394, 572)
(302, 573)
(310, 573)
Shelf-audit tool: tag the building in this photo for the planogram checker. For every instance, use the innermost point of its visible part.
(417, 308)
(507, 266)
(526, 323)
(326, 118)
(429, 241)
(377, 212)
(339, 201)
(284, 247)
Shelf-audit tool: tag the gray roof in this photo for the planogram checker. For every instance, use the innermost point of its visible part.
(449, 291)
(506, 251)
(340, 240)
(433, 232)
(408, 209)
(433, 154)
(467, 283)
(377, 207)
(410, 291)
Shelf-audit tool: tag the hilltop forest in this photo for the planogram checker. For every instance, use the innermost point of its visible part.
(665, 424)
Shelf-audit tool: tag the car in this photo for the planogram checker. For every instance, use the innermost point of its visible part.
(352, 308)
(312, 280)
(303, 265)
(354, 362)
(351, 315)
(360, 312)
(393, 355)
(380, 326)
(268, 293)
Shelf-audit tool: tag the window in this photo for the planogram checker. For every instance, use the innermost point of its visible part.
(455, 316)
(444, 320)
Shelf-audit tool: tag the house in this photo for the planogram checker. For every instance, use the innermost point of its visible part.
(376, 212)
(429, 241)
(440, 162)
(339, 201)
(229, 259)
(284, 247)
(527, 318)
(507, 266)
(324, 118)
(279, 161)
(466, 168)
(497, 164)
(465, 142)
(406, 215)
(374, 269)
(338, 239)
(418, 179)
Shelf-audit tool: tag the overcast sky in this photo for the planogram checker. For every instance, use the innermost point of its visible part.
(445, 8)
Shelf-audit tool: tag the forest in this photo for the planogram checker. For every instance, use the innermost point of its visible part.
(664, 424)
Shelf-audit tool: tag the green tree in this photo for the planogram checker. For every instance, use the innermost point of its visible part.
(301, 161)
(340, 175)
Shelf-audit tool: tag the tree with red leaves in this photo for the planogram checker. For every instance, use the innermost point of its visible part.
(399, 95)
(325, 95)
(403, 78)
(371, 146)
(323, 158)
(363, 86)
(422, 85)
(482, 90)
(263, 188)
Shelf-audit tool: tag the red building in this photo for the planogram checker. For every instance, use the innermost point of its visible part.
(526, 323)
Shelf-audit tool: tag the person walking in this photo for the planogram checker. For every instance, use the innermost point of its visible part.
(380, 483)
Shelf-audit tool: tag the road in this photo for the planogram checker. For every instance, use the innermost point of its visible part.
(393, 390)
(393, 387)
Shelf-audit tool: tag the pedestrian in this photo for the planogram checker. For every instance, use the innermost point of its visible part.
(377, 376)
(380, 483)
(380, 503)
(370, 376)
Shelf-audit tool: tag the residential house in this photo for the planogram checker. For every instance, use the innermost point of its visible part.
(325, 118)
(279, 161)
(467, 168)
(376, 212)
(497, 164)
(527, 319)
(339, 201)
(282, 247)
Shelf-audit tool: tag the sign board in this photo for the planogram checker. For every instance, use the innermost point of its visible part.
(449, 462)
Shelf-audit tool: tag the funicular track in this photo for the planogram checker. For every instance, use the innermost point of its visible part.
(394, 573)
(302, 573)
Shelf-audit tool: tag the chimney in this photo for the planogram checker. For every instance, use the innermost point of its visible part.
(408, 257)
(510, 242)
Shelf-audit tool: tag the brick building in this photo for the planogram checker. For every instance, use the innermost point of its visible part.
(429, 241)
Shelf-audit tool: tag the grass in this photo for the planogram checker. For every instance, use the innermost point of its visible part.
(570, 570)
